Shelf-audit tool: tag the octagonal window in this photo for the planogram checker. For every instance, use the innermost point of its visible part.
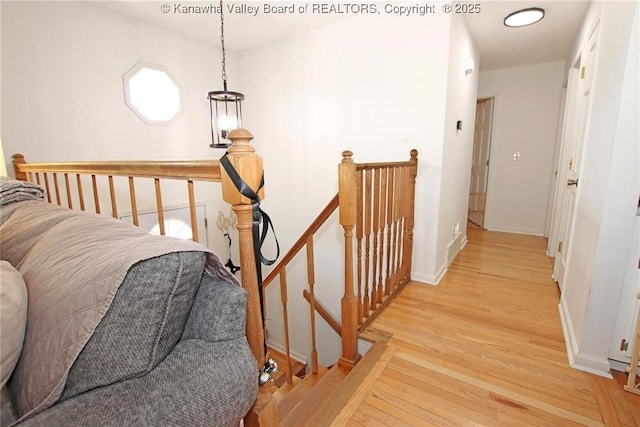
(152, 93)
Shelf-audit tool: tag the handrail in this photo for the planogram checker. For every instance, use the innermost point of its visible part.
(201, 170)
(302, 241)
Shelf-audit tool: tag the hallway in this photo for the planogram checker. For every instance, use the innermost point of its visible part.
(484, 348)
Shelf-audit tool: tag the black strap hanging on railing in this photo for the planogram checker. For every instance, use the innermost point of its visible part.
(258, 237)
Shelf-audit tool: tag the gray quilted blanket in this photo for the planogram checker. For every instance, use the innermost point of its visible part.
(12, 191)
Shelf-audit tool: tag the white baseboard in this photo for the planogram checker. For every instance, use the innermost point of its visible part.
(617, 365)
(464, 242)
(578, 360)
(430, 279)
(515, 231)
(455, 246)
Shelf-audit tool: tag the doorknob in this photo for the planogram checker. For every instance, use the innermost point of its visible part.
(572, 182)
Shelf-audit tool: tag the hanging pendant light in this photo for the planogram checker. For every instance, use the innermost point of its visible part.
(225, 106)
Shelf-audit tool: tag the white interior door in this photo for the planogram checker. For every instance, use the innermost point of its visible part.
(569, 178)
(480, 163)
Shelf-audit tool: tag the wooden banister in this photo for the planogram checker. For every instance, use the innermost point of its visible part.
(376, 211)
(199, 170)
(385, 200)
(300, 243)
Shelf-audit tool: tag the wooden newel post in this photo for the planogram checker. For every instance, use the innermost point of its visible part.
(409, 222)
(249, 167)
(18, 159)
(347, 191)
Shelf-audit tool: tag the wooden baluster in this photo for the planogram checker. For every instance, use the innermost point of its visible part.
(285, 321)
(159, 206)
(405, 214)
(96, 198)
(383, 220)
(367, 239)
(249, 166)
(192, 212)
(359, 230)
(57, 188)
(396, 227)
(396, 216)
(68, 189)
(375, 229)
(390, 203)
(112, 195)
(80, 192)
(402, 190)
(134, 205)
(46, 186)
(311, 279)
(37, 178)
(347, 185)
(409, 223)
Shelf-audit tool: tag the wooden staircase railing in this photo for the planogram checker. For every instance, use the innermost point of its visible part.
(376, 204)
(384, 232)
(305, 241)
(377, 199)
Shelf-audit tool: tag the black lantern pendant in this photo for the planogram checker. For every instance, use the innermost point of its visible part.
(225, 106)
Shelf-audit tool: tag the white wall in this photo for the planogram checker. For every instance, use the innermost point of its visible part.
(458, 144)
(607, 196)
(63, 97)
(378, 93)
(525, 120)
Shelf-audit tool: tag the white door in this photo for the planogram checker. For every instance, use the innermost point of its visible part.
(582, 78)
(480, 163)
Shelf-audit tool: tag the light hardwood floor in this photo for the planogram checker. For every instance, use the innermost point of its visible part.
(484, 348)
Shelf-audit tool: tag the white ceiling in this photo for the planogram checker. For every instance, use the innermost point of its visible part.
(548, 40)
(500, 47)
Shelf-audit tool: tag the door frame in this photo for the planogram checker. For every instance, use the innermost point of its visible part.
(490, 145)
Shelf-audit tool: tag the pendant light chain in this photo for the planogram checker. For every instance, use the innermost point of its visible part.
(224, 61)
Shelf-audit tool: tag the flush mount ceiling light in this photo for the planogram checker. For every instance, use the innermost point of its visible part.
(524, 17)
(225, 106)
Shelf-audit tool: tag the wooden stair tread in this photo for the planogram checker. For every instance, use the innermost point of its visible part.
(326, 413)
(298, 407)
(288, 396)
(317, 400)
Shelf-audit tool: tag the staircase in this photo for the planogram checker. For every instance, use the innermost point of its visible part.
(376, 205)
(317, 399)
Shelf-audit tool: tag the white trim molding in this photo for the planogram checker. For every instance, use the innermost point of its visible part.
(577, 360)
